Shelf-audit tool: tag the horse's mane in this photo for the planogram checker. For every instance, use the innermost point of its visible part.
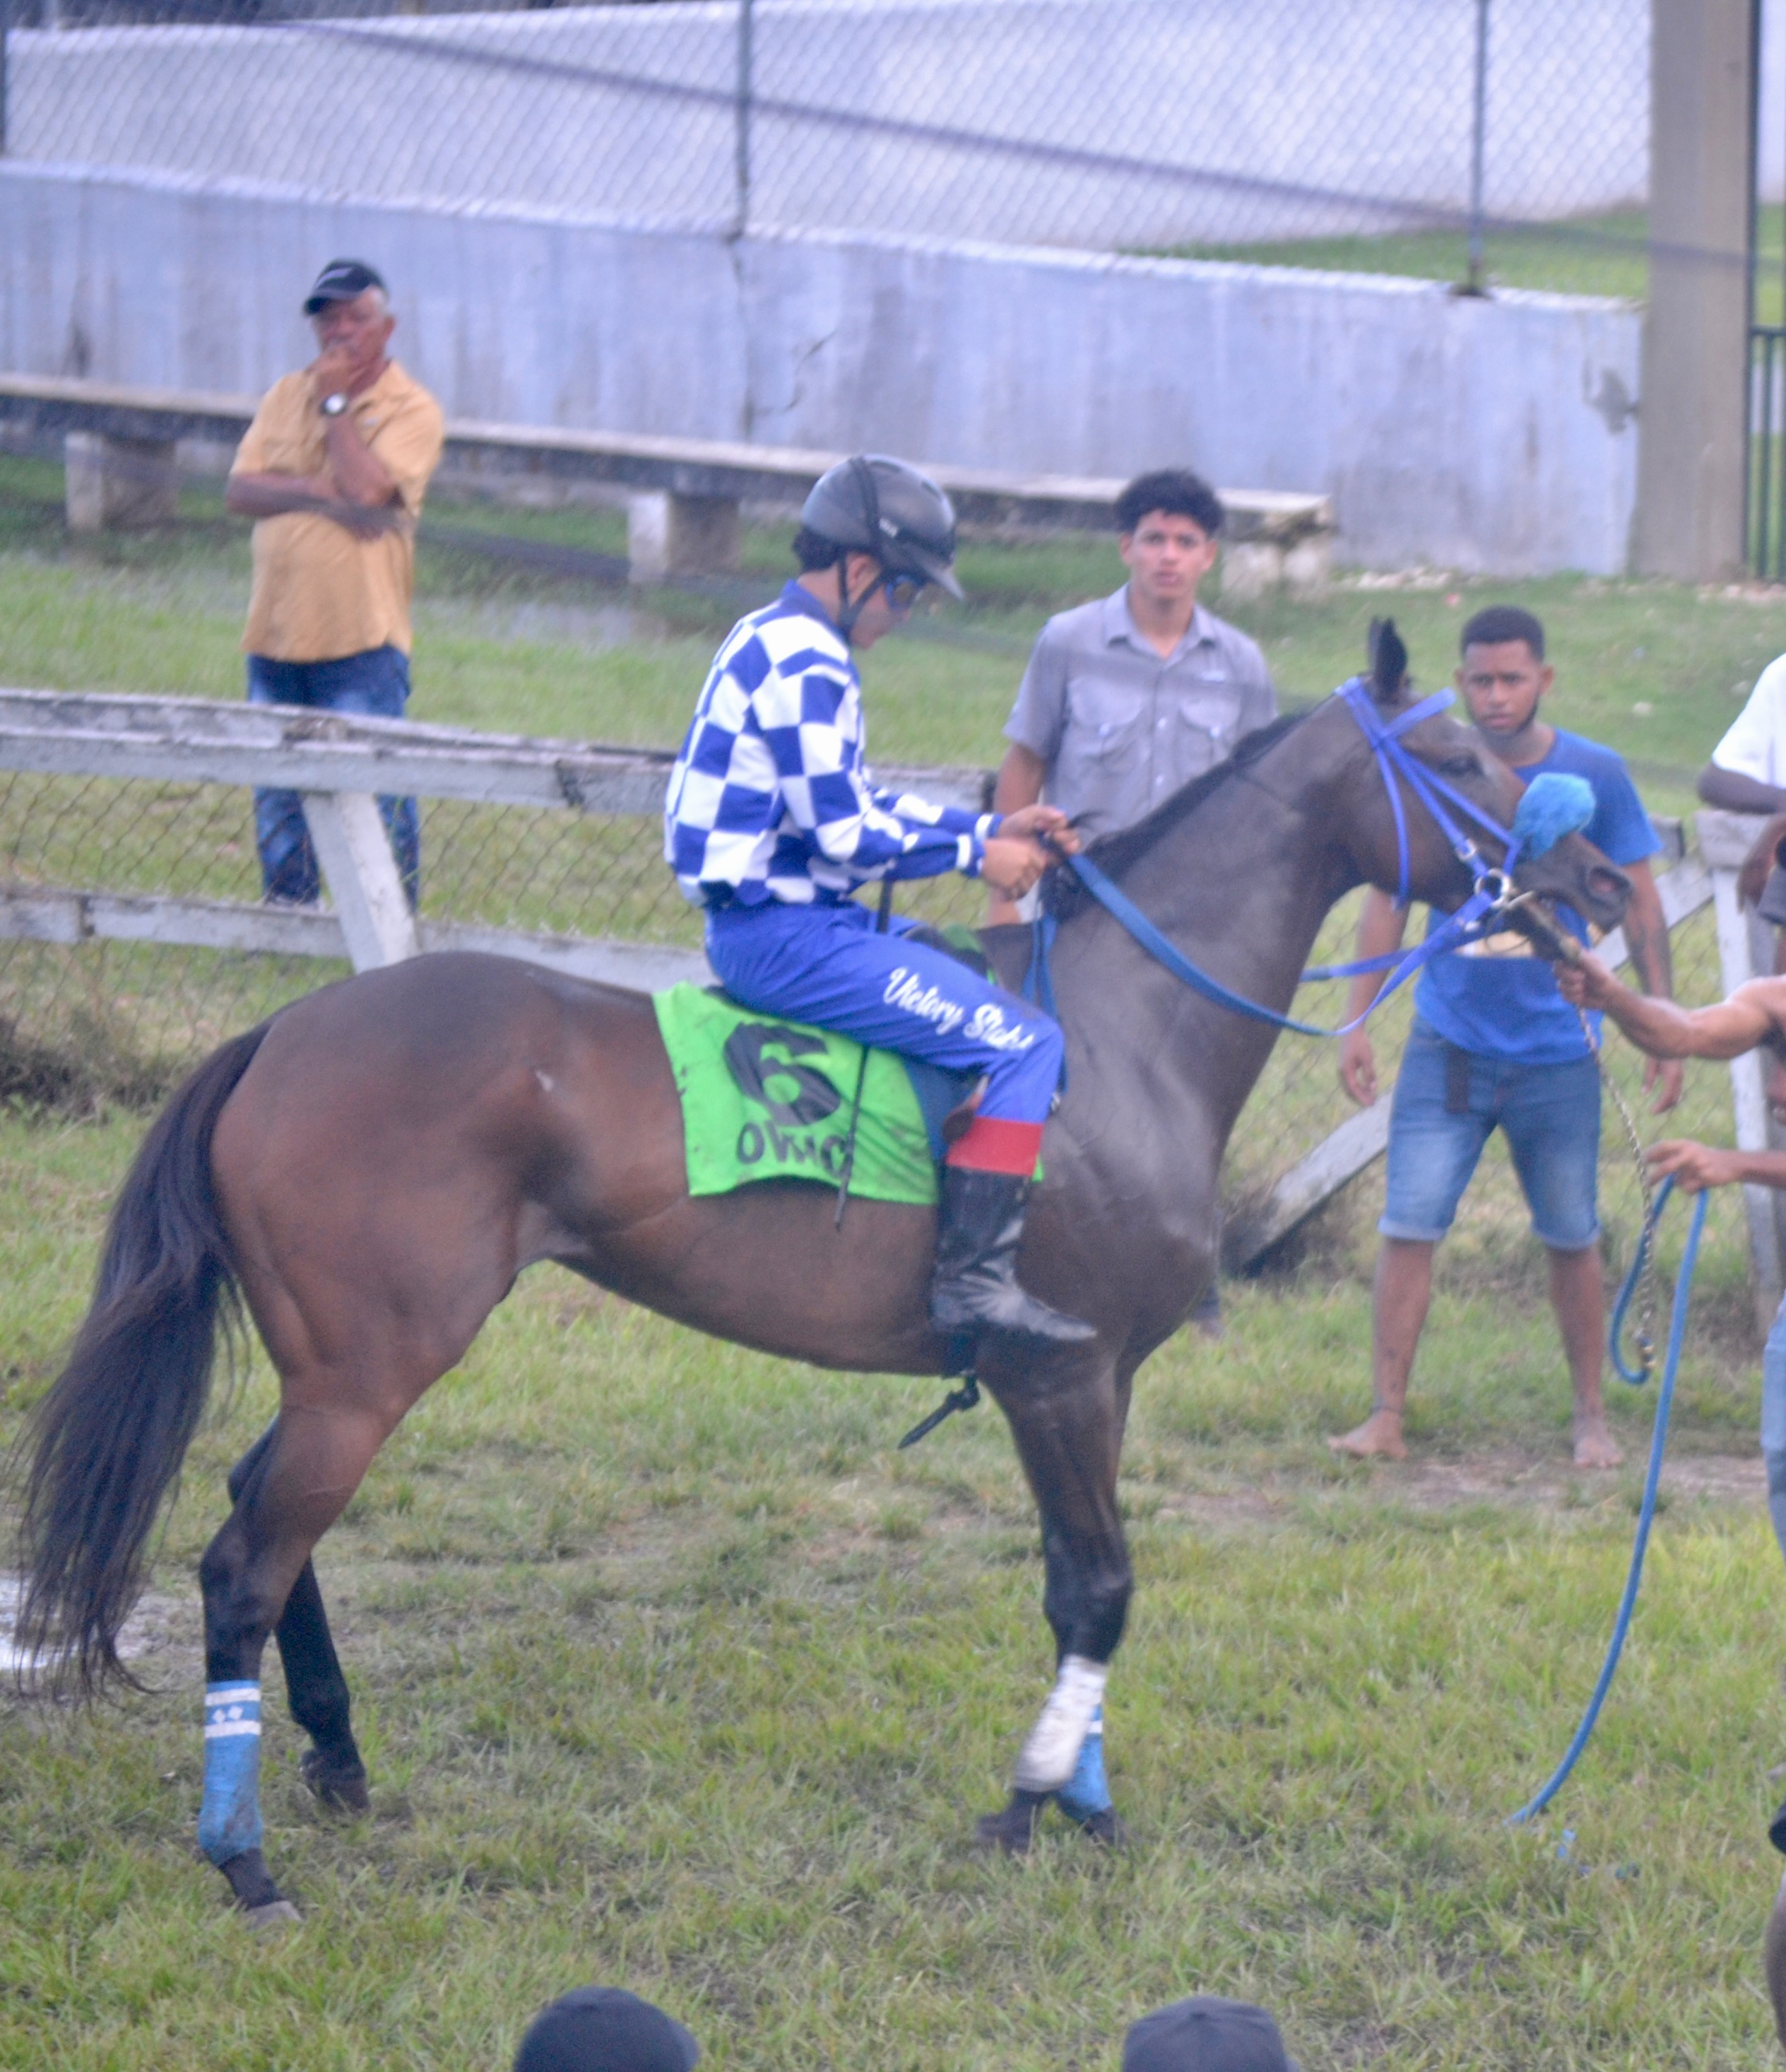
(1115, 852)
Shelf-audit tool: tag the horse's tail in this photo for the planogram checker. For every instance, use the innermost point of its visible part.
(105, 1445)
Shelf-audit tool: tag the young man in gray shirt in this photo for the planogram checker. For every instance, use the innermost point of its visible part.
(1127, 699)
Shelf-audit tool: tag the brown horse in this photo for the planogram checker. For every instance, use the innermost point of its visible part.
(373, 1167)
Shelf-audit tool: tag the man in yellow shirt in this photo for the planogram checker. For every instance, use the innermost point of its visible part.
(333, 471)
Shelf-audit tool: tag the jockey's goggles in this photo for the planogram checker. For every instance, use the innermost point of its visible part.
(902, 592)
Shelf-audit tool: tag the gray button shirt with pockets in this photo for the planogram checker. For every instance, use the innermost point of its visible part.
(1120, 727)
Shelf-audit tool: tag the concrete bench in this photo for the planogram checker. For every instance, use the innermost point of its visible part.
(682, 495)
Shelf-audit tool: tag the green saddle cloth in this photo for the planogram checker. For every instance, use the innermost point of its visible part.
(764, 1098)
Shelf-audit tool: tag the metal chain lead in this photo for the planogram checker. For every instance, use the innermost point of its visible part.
(1646, 1236)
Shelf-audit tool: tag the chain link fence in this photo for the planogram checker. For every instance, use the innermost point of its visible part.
(88, 1023)
(1106, 124)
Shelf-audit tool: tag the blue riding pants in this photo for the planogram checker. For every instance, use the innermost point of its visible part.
(825, 964)
(376, 683)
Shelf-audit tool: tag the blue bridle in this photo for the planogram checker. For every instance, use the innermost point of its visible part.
(1492, 889)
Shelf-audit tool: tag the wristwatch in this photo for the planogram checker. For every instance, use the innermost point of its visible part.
(332, 406)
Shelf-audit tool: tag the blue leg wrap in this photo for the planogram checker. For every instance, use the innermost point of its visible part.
(1086, 1792)
(229, 1820)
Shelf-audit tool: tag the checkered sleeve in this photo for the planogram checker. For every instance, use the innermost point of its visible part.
(852, 823)
(769, 797)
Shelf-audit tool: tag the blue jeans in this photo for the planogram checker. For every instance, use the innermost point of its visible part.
(1550, 1114)
(825, 964)
(1773, 1422)
(376, 683)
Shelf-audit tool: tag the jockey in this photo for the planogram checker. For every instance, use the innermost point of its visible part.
(771, 822)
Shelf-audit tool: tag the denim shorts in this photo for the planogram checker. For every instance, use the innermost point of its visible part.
(1550, 1114)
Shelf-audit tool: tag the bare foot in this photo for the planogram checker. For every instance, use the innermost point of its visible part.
(1595, 1445)
(1378, 1438)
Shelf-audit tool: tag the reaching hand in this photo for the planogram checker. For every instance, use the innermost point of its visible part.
(1667, 1075)
(1587, 984)
(1028, 821)
(1358, 1068)
(1751, 880)
(1694, 1167)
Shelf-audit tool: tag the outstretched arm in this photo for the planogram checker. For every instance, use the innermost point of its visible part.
(1646, 936)
(1699, 1165)
(1749, 1016)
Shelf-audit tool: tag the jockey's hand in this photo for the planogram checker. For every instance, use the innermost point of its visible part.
(1587, 984)
(1694, 1167)
(1358, 1068)
(1013, 867)
(1039, 819)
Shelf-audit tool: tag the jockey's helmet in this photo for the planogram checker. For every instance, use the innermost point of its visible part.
(886, 507)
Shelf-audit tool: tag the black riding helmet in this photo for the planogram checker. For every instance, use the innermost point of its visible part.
(885, 507)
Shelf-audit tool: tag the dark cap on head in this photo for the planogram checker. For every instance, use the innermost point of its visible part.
(1204, 2034)
(602, 2028)
(340, 281)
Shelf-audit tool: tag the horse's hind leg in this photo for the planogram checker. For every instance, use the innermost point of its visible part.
(313, 1461)
(315, 1688)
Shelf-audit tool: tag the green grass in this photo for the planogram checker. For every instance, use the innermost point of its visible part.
(1598, 255)
(671, 1673)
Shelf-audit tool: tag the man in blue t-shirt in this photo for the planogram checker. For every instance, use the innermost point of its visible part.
(1495, 1044)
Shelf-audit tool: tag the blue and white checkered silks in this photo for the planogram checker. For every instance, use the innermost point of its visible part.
(769, 798)
(229, 1819)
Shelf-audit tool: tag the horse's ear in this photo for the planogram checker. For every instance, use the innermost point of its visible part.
(1389, 662)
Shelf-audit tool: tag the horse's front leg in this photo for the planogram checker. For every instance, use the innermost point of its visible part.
(1065, 1417)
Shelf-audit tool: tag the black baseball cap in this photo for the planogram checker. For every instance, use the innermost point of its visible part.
(339, 281)
(604, 2029)
(1206, 2034)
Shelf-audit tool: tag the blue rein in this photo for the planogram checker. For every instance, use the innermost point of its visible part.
(1492, 887)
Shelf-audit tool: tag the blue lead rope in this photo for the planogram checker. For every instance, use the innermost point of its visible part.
(1161, 948)
(1557, 812)
(1646, 1515)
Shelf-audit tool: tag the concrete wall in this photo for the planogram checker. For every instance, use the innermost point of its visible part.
(1100, 124)
(1475, 434)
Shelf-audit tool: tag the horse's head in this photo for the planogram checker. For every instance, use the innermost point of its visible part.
(1572, 869)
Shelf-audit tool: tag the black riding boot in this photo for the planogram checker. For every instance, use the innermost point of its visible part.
(980, 1223)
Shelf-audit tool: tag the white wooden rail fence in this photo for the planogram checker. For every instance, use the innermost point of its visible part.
(339, 765)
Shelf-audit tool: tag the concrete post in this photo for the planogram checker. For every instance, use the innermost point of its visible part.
(668, 535)
(1696, 343)
(108, 482)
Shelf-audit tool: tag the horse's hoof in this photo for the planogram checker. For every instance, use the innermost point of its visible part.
(276, 1913)
(1107, 1829)
(340, 1786)
(1013, 1830)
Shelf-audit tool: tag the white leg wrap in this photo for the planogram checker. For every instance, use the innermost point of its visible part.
(1052, 1751)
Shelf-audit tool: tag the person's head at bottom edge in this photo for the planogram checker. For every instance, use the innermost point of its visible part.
(604, 2029)
(1206, 2034)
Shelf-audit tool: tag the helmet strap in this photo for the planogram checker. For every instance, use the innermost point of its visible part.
(851, 609)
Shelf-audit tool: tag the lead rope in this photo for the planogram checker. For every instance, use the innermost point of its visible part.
(1646, 1514)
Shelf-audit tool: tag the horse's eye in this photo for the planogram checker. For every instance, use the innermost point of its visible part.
(1461, 766)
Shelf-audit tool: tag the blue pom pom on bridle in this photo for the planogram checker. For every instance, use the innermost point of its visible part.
(1554, 805)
